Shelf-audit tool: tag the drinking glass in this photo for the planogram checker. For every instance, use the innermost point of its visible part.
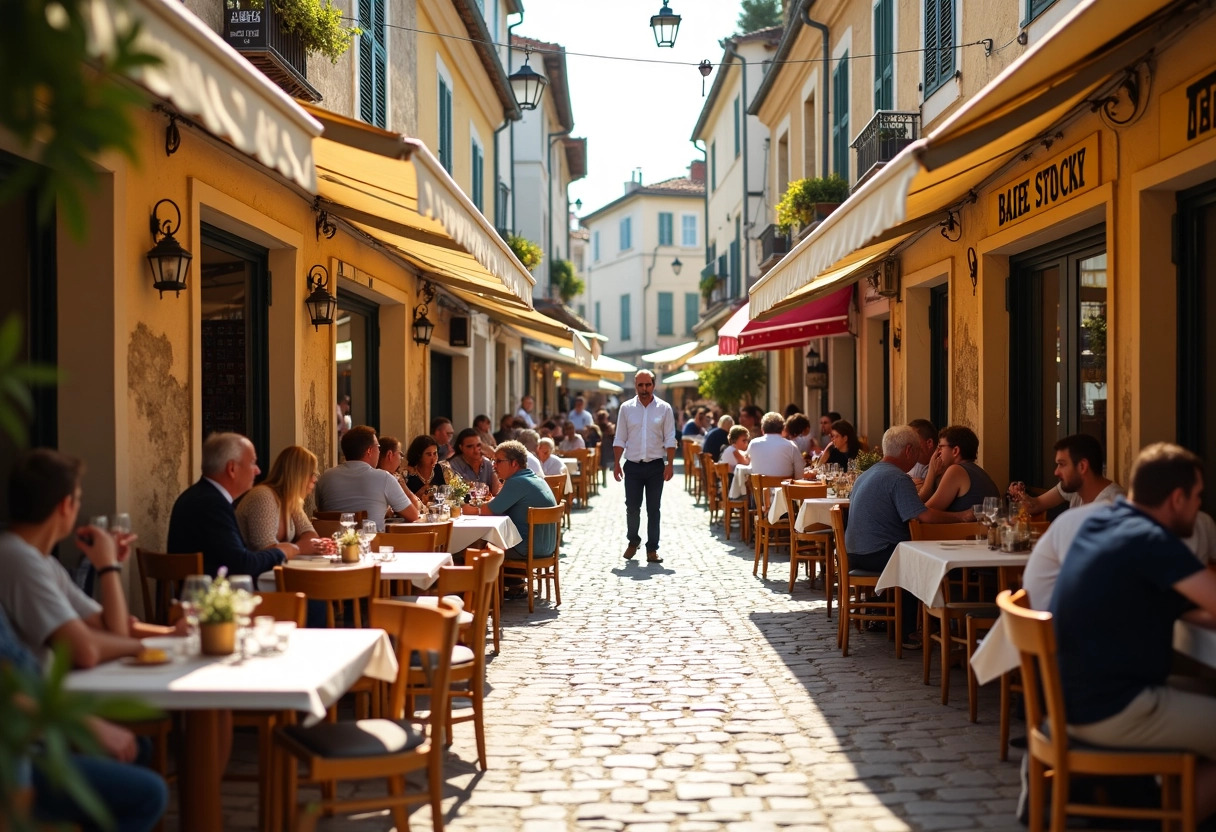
(367, 533)
(100, 521)
(347, 520)
(991, 506)
(243, 603)
(981, 517)
(193, 589)
(264, 635)
(121, 524)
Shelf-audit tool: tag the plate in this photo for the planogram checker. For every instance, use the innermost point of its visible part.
(133, 661)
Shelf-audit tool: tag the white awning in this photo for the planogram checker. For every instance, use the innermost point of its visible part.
(672, 355)
(604, 364)
(609, 387)
(683, 378)
(208, 81)
(709, 355)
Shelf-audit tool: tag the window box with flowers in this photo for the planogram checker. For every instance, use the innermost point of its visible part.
(810, 200)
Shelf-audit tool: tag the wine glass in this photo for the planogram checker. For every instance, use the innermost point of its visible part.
(121, 523)
(194, 587)
(367, 533)
(347, 520)
(981, 517)
(243, 603)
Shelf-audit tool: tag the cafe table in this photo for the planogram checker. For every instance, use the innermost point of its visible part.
(817, 511)
(572, 466)
(318, 666)
(920, 566)
(467, 529)
(419, 568)
(738, 484)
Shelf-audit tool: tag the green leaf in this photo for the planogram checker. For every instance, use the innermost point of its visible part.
(10, 339)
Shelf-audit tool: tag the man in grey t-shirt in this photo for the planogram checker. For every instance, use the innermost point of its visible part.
(358, 485)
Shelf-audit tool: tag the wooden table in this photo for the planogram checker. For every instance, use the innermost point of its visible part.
(920, 566)
(317, 668)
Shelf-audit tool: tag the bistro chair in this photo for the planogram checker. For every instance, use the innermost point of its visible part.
(767, 532)
(1055, 759)
(730, 506)
(544, 570)
(581, 481)
(160, 580)
(855, 604)
(813, 545)
(688, 450)
(388, 748)
(426, 540)
(709, 480)
(557, 484)
(442, 529)
(326, 528)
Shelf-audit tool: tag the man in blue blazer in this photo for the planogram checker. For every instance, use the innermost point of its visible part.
(203, 519)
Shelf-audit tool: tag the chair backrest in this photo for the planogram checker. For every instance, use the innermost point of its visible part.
(945, 531)
(360, 516)
(762, 485)
(711, 479)
(442, 529)
(557, 484)
(430, 633)
(795, 493)
(1032, 633)
(487, 563)
(163, 575)
(333, 586)
(423, 541)
(722, 472)
(545, 517)
(842, 554)
(284, 606)
(325, 528)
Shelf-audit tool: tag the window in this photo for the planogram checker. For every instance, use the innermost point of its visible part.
(626, 329)
(884, 55)
(840, 117)
(599, 325)
(502, 202)
(692, 310)
(373, 63)
(688, 230)
(713, 166)
(1036, 8)
(477, 186)
(737, 124)
(666, 314)
(666, 234)
(939, 44)
(626, 233)
(595, 247)
(445, 124)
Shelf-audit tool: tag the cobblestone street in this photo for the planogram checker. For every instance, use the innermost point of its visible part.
(693, 696)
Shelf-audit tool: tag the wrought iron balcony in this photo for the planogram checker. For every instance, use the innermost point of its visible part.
(888, 132)
(773, 246)
(252, 28)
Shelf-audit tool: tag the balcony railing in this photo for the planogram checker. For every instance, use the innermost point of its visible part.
(773, 246)
(888, 132)
(252, 28)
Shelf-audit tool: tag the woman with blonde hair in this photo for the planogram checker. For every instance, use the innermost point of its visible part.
(273, 513)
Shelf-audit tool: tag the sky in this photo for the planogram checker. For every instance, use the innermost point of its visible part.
(634, 115)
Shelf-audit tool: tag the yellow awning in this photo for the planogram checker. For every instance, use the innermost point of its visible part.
(391, 188)
(1009, 116)
(531, 324)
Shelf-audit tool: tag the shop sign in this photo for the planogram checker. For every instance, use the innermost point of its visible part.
(1052, 183)
(1188, 113)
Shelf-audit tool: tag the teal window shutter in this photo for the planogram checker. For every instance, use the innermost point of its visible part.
(665, 228)
(666, 314)
(884, 55)
(692, 310)
(939, 44)
(840, 117)
(626, 323)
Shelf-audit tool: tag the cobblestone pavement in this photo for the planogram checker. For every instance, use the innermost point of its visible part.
(693, 696)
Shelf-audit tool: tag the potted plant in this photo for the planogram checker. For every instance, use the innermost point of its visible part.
(709, 284)
(891, 139)
(317, 24)
(217, 611)
(807, 200)
(349, 546)
(868, 459)
(528, 252)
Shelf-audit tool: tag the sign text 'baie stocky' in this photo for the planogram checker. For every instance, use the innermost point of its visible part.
(1062, 177)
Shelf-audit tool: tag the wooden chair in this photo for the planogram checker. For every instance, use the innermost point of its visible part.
(442, 529)
(1053, 757)
(812, 546)
(360, 516)
(421, 541)
(581, 483)
(543, 569)
(325, 528)
(557, 484)
(713, 493)
(730, 506)
(284, 606)
(390, 748)
(853, 600)
(687, 449)
(951, 616)
(476, 583)
(160, 580)
(766, 531)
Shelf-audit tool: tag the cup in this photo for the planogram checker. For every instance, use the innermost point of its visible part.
(283, 631)
(264, 635)
(386, 554)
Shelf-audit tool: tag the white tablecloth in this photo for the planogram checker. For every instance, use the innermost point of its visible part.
(920, 566)
(419, 568)
(738, 485)
(817, 510)
(319, 666)
(571, 465)
(467, 530)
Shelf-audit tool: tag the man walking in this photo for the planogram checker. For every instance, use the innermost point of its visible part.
(645, 434)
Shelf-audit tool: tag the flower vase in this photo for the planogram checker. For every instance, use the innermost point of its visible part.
(218, 638)
(350, 553)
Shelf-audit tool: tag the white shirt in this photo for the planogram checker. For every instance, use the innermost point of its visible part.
(553, 466)
(645, 432)
(574, 443)
(527, 417)
(534, 465)
(775, 456)
(1106, 495)
(581, 419)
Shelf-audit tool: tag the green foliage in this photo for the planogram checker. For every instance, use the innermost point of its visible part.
(219, 603)
(755, 15)
(797, 206)
(16, 379)
(868, 459)
(707, 285)
(563, 279)
(730, 382)
(44, 722)
(319, 25)
(528, 252)
(63, 107)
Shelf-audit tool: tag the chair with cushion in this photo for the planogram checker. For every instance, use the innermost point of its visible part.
(855, 604)
(1055, 758)
(160, 580)
(544, 570)
(768, 533)
(389, 748)
(812, 546)
(731, 505)
(557, 484)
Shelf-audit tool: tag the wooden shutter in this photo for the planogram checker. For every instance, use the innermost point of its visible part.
(884, 58)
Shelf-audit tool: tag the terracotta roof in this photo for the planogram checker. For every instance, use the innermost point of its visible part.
(678, 184)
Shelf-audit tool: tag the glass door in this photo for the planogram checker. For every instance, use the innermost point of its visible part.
(358, 359)
(1196, 310)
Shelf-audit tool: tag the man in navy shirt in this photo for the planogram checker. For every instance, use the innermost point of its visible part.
(1126, 580)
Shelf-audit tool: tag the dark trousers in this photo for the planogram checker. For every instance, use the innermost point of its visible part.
(876, 562)
(643, 477)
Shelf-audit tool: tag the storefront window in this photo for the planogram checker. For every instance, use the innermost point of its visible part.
(357, 360)
(1196, 310)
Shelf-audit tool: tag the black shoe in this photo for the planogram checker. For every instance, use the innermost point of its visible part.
(653, 557)
(630, 551)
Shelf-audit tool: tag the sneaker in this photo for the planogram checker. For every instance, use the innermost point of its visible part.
(630, 551)
(653, 557)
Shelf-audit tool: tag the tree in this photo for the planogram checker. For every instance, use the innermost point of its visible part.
(564, 281)
(755, 15)
(729, 382)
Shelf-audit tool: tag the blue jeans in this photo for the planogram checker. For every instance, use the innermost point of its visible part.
(647, 478)
(136, 797)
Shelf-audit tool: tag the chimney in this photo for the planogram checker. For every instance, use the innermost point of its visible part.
(696, 171)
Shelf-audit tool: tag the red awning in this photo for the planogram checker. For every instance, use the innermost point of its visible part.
(827, 316)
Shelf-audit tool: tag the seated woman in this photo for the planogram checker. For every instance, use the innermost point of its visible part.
(423, 470)
(844, 445)
(390, 460)
(273, 512)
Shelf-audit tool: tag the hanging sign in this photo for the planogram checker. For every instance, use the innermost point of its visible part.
(1047, 185)
(1187, 113)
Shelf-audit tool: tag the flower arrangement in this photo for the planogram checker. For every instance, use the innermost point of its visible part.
(218, 604)
(348, 537)
(458, 490)
(867, 459)
(528, 252)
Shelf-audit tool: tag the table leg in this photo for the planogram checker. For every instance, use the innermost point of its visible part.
(200, 767)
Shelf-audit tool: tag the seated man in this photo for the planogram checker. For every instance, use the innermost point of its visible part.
(358, 485)
(530, 439)
(580, 416)
(550, 464)
(798, 431)
(521, 490)
(43, 604)
(696, 424)
(203, 519)
(1079, 460)
(469, 463)
(883, 501)
(571, 441)
(771, 453)
(442, 432)
(954, 482)
(1126, 580)
(927, 432)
